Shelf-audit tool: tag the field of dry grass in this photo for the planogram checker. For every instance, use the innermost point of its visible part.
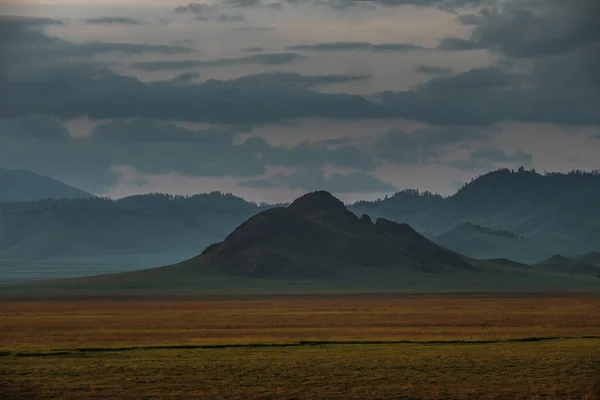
(161, 348)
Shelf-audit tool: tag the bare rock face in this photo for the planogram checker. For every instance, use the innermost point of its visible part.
(316, 235)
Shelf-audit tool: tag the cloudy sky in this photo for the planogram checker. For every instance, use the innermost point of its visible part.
(272, 98)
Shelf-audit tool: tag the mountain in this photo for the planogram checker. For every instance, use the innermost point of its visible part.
(558, 210)
(317, 235)
(316, 245)
(587, 265)
(544, 214)
(23, 185)
(483, 242)
(138, 224)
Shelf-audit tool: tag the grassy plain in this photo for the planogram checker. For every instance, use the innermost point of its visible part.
(360, 347)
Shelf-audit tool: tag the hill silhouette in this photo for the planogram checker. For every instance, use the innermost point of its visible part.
(23, 185)
(317, 235)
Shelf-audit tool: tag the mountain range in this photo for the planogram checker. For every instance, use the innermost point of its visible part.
(316, 244)
(523, 216)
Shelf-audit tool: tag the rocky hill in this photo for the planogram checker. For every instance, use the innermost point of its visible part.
(317, 235)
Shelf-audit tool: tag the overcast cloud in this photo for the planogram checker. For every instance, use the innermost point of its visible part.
(279, 94)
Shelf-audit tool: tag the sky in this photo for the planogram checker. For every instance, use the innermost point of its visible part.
(269, 99)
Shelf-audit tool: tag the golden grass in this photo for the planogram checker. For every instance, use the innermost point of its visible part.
(557, 369)
(88, 323)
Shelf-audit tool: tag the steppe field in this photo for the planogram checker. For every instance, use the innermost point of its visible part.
(302, 347)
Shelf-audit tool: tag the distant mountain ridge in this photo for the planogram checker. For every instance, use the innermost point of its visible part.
(316, 244)
(23, 185)
(549, 214)
(558, 210)
(137, 224)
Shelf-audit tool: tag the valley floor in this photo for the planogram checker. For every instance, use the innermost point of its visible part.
(302, 347)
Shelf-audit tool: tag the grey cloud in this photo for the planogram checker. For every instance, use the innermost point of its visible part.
(253, 4)
(312, 154)
(208, 12)
(447, 5)
(356, 46)
(144, 131)
(102, 94)
(424, 145)
(458, 44)
(112, 20)
(23, 40)
(480, 96)
(490, 157)
(259, 59)
(557, 89)
(222, 18)
(257, 184)
(433, 70)
(194, 8)
(254, 49)
(527, 28)
(35, 127)
(255, 28)
(154, 148)
(312, 178)
(305, 81)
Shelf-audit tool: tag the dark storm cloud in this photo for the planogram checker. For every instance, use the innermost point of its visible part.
(34, 127)
(558, 88)
(256, 59)
(101, 94)
(356, 46)
(313, 178)
(23, 40)
(433, 70)
(305, 81)
(144, 131)
(312, 154)
(458, 44)
(112, 20)
(154, 148)
(530, 28)
(424, 145)
(486, 157)
(480, 96)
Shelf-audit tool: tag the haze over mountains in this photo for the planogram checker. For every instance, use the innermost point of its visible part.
(522, 216)
(317, 245)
